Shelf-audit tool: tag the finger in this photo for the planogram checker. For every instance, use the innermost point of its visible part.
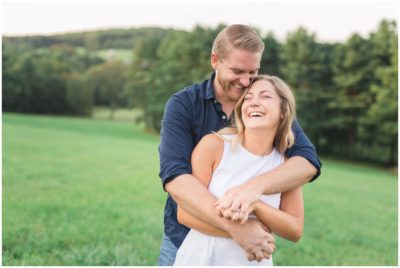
(266, 255)
(244, 217)
(235, 216)
(244, 207)
(225, 203)
(227, 214)
(270, 238)
(229, 197)
(273, 246)
(220, 213)
(259, 255)
(250, 256)
(236, 204)
(267, 248)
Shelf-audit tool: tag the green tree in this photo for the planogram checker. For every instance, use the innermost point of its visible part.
(380, 126)
(108, 80)
(353, 73)
(271, 62)
(80, 94)
(306, 68)
(183, 58)
(34, 80)
(144, 58)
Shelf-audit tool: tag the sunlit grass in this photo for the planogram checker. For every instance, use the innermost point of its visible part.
(350, 219)
(79, 192)
(86, 192)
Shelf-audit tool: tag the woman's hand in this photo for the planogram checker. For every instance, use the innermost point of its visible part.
(238, 202)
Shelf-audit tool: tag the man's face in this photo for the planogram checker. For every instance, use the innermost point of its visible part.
(234, 73)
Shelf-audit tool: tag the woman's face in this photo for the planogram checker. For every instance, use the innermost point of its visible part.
(261, 108)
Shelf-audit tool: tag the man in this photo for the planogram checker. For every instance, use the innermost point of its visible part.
(196, 111)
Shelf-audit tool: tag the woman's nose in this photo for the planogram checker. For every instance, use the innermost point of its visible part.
(254, 102)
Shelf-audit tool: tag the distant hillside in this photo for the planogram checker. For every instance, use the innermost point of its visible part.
(94, 40)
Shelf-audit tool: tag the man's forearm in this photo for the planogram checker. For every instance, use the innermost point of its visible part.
(197, 224)
(196, 200)
(295, 172)
(194, 197)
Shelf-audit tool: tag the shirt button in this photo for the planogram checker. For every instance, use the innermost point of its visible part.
(215, 101)
(224, 117)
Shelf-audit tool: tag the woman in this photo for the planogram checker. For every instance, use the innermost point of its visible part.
(262, 132)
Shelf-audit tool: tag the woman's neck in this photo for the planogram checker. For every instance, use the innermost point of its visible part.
(258, 142)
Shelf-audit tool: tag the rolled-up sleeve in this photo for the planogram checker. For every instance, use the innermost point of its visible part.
(176, 143)
(304, 148)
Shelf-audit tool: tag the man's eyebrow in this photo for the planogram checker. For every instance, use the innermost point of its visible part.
(236, 69)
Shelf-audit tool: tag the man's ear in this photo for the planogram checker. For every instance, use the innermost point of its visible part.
(214, 60)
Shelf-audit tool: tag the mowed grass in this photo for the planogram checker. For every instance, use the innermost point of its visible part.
(122, 114)
(79, 192)
(350, 219)
(87, 192)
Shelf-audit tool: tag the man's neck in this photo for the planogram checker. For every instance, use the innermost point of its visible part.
(227, 104)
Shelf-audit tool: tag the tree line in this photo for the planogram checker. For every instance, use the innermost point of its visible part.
(346, 92)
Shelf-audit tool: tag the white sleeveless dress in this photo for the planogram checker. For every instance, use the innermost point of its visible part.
(235, 168)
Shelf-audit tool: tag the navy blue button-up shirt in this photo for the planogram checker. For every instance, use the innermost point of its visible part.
(190, 114)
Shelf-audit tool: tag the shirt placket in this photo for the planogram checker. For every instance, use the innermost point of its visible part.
(221, 114)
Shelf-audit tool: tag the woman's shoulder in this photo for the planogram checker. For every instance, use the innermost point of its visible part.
(213, 145)
(210, 147)
(212, 140)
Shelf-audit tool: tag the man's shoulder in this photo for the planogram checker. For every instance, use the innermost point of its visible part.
(193, 92)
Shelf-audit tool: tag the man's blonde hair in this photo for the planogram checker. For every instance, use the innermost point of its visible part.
(284, 137)
(237, 36)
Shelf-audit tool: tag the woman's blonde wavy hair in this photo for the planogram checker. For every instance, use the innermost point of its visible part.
(284, 137)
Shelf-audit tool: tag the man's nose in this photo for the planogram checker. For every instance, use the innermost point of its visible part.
(245, 80)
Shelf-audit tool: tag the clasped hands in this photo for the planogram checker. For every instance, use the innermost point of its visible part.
(238, 202)
(236, 205)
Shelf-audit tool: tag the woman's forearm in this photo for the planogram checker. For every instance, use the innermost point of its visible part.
(194, 223)
(279, 222)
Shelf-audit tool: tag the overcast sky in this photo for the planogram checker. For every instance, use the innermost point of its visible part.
(330, 20)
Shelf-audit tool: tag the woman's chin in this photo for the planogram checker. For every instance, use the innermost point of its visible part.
(259, 127)
(255, 127)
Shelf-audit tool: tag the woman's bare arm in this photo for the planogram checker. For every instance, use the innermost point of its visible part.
(205, 158)
(288, 221)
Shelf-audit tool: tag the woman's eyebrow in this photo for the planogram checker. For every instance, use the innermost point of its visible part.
(264, 91)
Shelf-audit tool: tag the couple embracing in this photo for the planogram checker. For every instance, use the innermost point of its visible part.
(233, 160)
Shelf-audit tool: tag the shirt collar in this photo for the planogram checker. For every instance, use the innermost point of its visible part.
(209, 94)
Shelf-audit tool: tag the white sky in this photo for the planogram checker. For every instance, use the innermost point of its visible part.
(330, 20)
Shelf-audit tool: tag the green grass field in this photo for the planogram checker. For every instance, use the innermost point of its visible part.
(86, 192)
(122, 114)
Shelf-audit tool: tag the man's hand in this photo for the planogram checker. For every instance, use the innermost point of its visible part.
(254, 239)
(238, 202)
